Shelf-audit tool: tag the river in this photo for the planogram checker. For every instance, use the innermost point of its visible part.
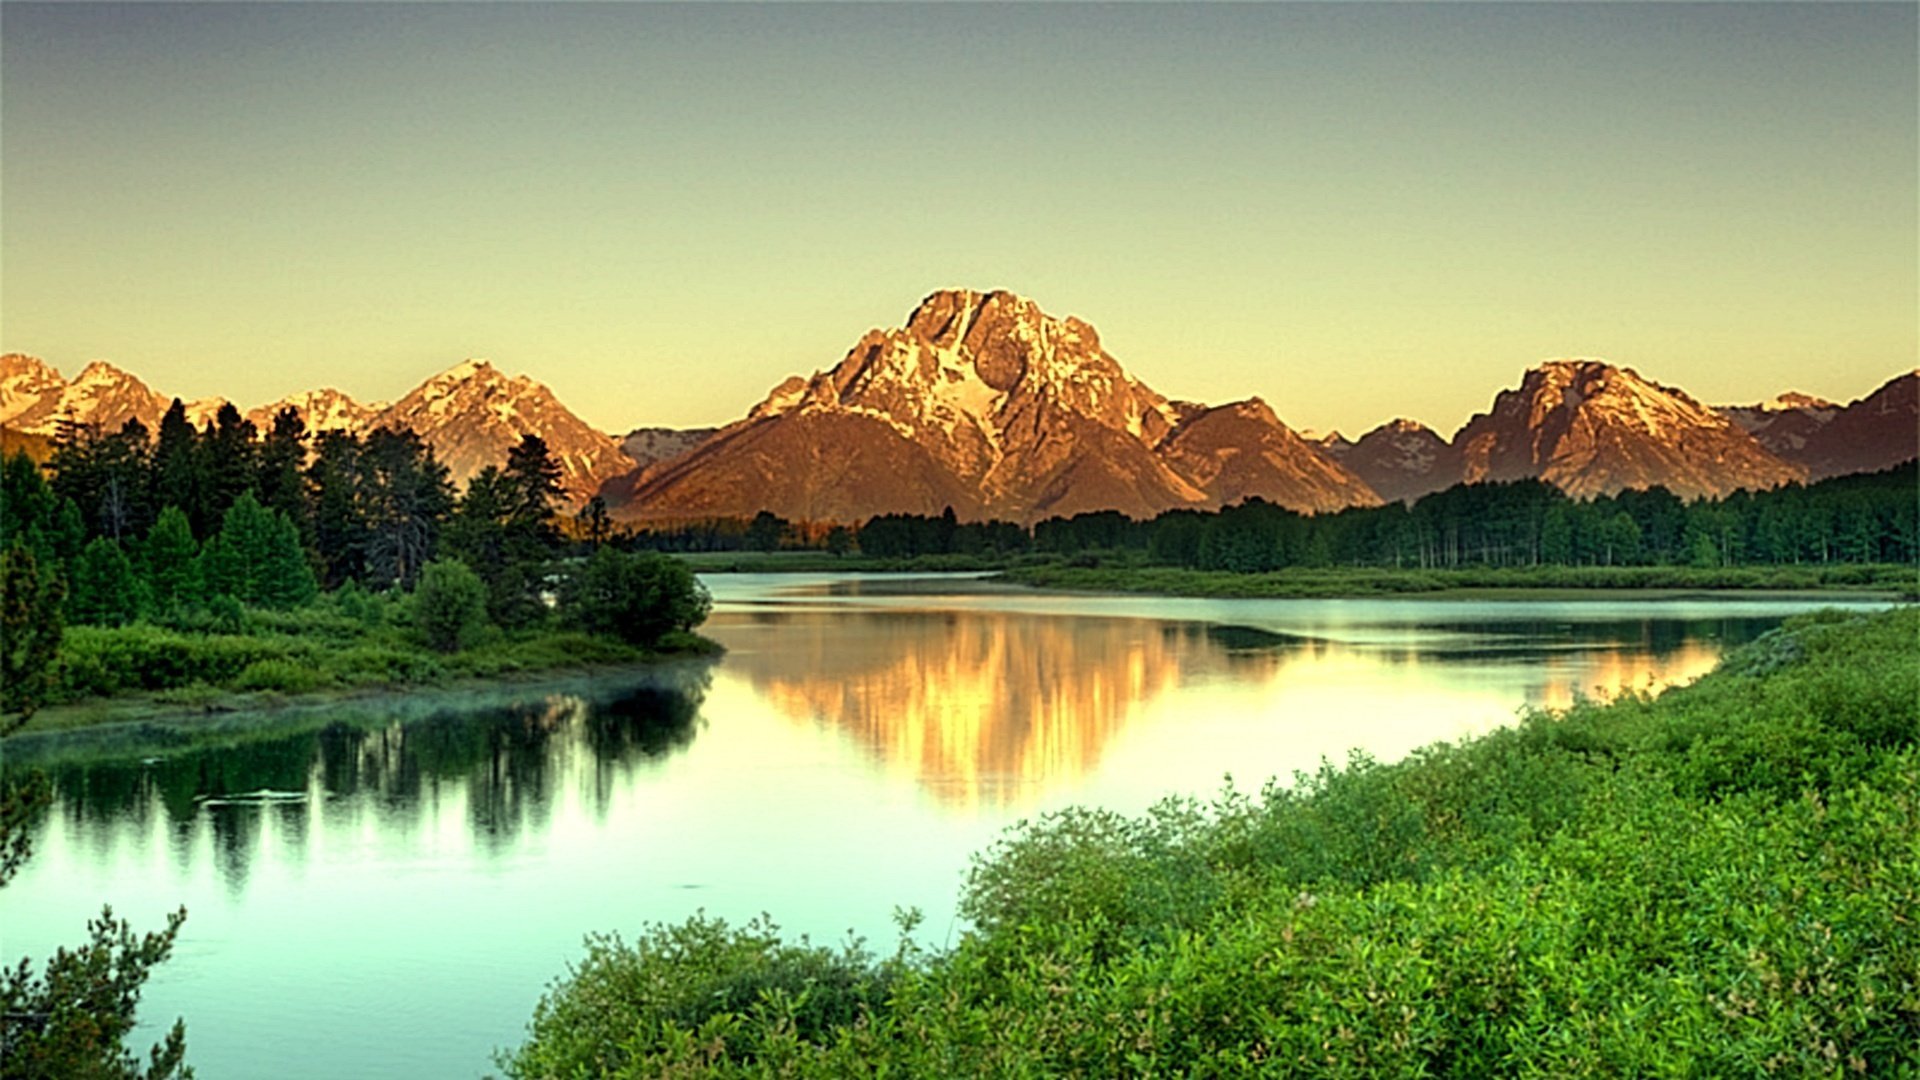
(383, 890)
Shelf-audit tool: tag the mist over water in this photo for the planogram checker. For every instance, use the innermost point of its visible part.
(383, 890)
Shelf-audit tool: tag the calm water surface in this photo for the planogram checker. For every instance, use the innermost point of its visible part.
(385, 890)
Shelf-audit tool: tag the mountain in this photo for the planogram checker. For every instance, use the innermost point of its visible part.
(649, 446)
(1242, 451)
(321, 410)
(34, 398)
(1591, 428)
(1867, 435)
(472, 414)
(1401, 459)
(987, 404)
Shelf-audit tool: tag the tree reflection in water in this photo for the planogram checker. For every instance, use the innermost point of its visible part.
(506, 761)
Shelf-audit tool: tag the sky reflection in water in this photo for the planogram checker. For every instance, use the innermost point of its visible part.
(384, 891)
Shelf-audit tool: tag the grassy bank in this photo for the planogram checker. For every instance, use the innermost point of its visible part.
(1722, 880)
(264, 659)
(793, 562)
(1892, 581)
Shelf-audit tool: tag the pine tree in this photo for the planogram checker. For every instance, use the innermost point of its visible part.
(171, 562)
(228, 459)
(178, 478)
(126, 499)
(256, 558)
(282, 457)
(29, 509)
(534, 477)
(106, 591)
(336, 507)
(407, 497)
(31, 600)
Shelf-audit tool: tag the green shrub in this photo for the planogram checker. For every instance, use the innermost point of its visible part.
(283, 676)
(449, 606)
(638, 598)
(734, 986)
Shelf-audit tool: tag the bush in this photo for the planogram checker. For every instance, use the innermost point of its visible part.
(449, 606)
(627, 1003)
(283, 676)
(639, 598)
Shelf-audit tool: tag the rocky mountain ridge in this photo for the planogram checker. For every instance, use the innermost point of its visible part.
(471, 414)
(983, 402)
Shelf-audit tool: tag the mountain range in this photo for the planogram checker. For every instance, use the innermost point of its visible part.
(985, 403)
(471, 414)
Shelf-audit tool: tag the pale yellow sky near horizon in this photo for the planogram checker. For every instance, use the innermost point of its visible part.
(1355, 212)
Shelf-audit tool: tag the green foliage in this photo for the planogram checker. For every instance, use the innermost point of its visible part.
(105, 589)
(359, 605)
(450, 606)
(1719, 881)
(69, 1020)
(31, 628)
(29, 509)
(699, 982)
(279, 675)
(256, 558)
(100, 662)
(638, 598)
(172, 561)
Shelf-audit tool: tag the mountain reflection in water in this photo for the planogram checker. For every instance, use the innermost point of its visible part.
(996, 707)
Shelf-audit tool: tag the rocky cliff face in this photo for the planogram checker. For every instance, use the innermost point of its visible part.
(1591, 428)
(472, 415)
(985, 403)
(1872, 433)
(650, 446)
(1242, 451)
(1401, 460)
(34, 398)
(321, 410)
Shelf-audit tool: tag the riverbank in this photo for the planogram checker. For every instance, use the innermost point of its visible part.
(137, 728)
(1517, 583)
(272, 661)
(1752, 836)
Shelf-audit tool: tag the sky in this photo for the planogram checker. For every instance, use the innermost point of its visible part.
(1356, 211)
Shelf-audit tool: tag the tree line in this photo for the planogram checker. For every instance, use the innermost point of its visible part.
(185, 527)
(1869, 518)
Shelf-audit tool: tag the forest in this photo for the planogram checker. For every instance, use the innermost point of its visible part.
(226, 557)
(1863, 519)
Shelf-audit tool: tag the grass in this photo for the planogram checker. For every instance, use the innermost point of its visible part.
(790, 562)
(1540, 581)
(144, 672)
(1722, 880)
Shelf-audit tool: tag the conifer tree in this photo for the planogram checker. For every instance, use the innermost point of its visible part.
(171, 561)
(407, 496)
(256, 558)
(336, 508)
(282, 456)
(179, 478)
(228, 459)
(105, 589)
(31, 625)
